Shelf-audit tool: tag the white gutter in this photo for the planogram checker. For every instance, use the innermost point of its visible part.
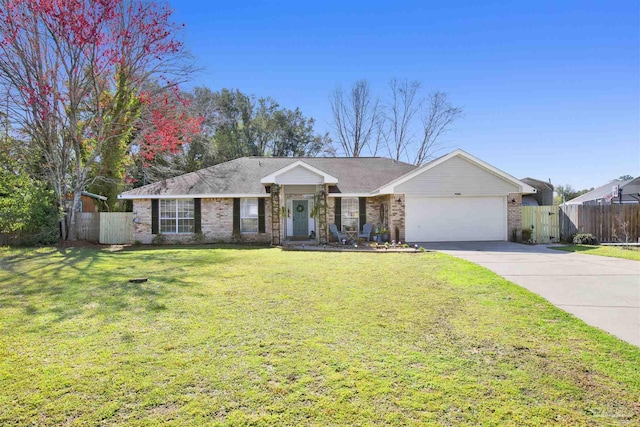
(189, 196)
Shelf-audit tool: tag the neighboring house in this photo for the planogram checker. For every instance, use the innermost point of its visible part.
(267, 199)
(543, 195)
(604, 195)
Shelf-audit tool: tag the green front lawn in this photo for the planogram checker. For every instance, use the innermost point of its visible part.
(611, 251)
(224, 336)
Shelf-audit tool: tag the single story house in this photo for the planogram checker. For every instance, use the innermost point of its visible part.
(456, 197)
(614, 192)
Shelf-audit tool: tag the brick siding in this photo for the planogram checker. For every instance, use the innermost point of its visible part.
(216, 221)
(514, 217)
(396, 217)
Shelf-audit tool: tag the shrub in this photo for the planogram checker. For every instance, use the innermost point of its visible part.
(159, 239)
(197, 238)
(27, 208)
(585, 239)
(526, 234)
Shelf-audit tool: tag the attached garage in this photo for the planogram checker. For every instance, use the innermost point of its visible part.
(443, 219)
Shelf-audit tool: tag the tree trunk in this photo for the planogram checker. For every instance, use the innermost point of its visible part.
(63, 228)
(75, 207)
(60, 190)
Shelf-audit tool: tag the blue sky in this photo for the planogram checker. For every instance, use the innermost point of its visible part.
(550, 89)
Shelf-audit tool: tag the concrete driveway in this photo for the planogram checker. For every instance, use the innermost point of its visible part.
(602, 291)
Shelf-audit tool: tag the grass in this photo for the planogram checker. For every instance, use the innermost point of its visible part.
(224, 336)
(611, 251)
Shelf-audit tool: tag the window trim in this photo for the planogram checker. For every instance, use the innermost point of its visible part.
(243, 201)
(176, 217)
(344, 217)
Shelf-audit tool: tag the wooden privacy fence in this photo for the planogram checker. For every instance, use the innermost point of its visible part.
(116, 228)
(109, 228)
(88, 226)
(11, 239)
(609, 223)
(543, 223)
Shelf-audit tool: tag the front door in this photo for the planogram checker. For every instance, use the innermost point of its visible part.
(300, 218)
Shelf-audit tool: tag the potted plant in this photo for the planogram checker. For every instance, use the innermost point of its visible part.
(384, 234)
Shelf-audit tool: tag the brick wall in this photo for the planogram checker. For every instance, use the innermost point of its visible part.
(396, 217)
(514, 216)
(217, 219)
(217, 224)
(142, 229)
(373, 210)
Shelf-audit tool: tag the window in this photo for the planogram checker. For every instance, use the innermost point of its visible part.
(249, 215)
(176, 216)
(350, 214)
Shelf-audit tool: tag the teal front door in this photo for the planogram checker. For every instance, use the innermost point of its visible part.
(300, 218)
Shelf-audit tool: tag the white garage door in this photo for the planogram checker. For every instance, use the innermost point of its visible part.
(451, 219)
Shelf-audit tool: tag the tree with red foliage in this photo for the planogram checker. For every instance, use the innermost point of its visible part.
(169, 124)
(73, 71)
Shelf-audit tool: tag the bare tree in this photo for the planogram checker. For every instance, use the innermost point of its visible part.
(407, 125)
(436, 120)
(399, 113)
(381, 137)
(355, 116)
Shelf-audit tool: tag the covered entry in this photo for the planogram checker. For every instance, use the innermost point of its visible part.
(300, 217)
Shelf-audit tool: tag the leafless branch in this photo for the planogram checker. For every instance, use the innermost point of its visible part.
(355, 116)
(399, 113)
(436, 120)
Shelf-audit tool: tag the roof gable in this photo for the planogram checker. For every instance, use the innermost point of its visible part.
(299, 173)
(459, 159)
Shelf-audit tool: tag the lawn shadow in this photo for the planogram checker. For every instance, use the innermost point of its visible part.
(23, 255)
(109, 300)
(71, 257)
(211, 246)
(72, 282)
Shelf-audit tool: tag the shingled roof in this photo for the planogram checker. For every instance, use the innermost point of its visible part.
(604, 192)
(361, 175)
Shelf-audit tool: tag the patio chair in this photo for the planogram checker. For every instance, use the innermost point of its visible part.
(340, 236)
(366, 231)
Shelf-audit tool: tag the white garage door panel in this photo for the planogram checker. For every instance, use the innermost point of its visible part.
(450, 219)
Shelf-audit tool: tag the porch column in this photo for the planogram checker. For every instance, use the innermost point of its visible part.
(276, 221)
(322, 192)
